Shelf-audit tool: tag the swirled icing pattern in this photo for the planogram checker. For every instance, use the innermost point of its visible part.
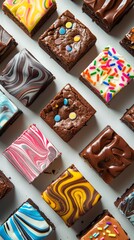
(107, 13)
(25, 223)
(71, 195)
(31, 153)
(25, 78)
(126, 204)
(28, 12)
(8, 111)
(108, 74)
(108, 154)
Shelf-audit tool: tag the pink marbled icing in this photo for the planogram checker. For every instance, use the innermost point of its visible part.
(31, 153)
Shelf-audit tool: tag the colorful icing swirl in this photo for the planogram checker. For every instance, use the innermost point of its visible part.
(107, 228)
(26, 223)
(7, 110)
(71, 195)
(108, 74)
(31, 153)
(126, 207)
(25, 78)
(29, 12)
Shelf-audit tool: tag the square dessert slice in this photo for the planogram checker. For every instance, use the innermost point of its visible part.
(128, 41)
(125, 204)
(104, 227)
(108, 154)
(7, 43)
(107, 13)
(29, 15)
(67, 40)
(71, 195)
(128, 117)
(8, 112)
(5, 185)
(108, 74)
(25, 78)
(31, 153)
(67, 113)
(27, 222)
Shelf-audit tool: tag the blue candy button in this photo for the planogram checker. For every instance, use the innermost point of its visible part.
(62, 31)
(68, 48)
(65, 101)
(57, 118)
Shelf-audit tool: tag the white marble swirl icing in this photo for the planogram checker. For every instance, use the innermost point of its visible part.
(31, 153)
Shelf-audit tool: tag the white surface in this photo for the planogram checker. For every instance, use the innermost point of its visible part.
(103, 117)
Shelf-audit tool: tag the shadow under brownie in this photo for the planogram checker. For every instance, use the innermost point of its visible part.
(67, 40)
(67, 113)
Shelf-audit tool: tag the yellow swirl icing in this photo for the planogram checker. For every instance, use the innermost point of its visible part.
(28, 12)
(71, 195)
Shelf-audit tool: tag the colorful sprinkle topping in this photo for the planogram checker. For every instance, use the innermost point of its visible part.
(69, 25)
(72, 115)
(108, 73)
(57, 118)
(62, 31)
(77, 38)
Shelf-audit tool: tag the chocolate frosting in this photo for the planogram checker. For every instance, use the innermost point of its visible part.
(130, 37)
(128, 117)
(109, 11)
(108, 154)
(5, 185)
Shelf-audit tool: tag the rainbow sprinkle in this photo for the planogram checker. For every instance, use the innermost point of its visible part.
(108, 71)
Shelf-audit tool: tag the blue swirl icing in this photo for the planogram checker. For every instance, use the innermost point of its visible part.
(126, 207)
(26, 224)
(7, 109)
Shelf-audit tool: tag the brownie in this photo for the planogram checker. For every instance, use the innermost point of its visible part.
(107, 13)
(107, 74)
(5, 185)
(29, 16)
(27, 222)
(108, 154)
(67, 113)
(67, 40)
(25, 78)
(104, 227)
(8, 112)
(125, 204)
(128, 117)
(31, 153)
(71, 195)
(7, 43)
(128, 41)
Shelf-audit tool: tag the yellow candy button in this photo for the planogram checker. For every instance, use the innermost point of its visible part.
(72, 115)
(77, 38)
(69, 25)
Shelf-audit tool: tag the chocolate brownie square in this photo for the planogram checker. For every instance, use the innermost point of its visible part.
(8, 112)
(125, 204)
(5, 185)
(27, 222)
(67, 113)
(67, 40)
(128, 41)
(108, 154)
(107, 74)
(25, 78)
(107, 13)
(7, 43)
(71, 195)
(31, 153)
(128, 117)
(29, 15)
(104, 227)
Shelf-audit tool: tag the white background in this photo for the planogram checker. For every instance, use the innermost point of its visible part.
(70, 151)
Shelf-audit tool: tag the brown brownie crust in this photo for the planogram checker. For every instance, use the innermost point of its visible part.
(5, 185)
